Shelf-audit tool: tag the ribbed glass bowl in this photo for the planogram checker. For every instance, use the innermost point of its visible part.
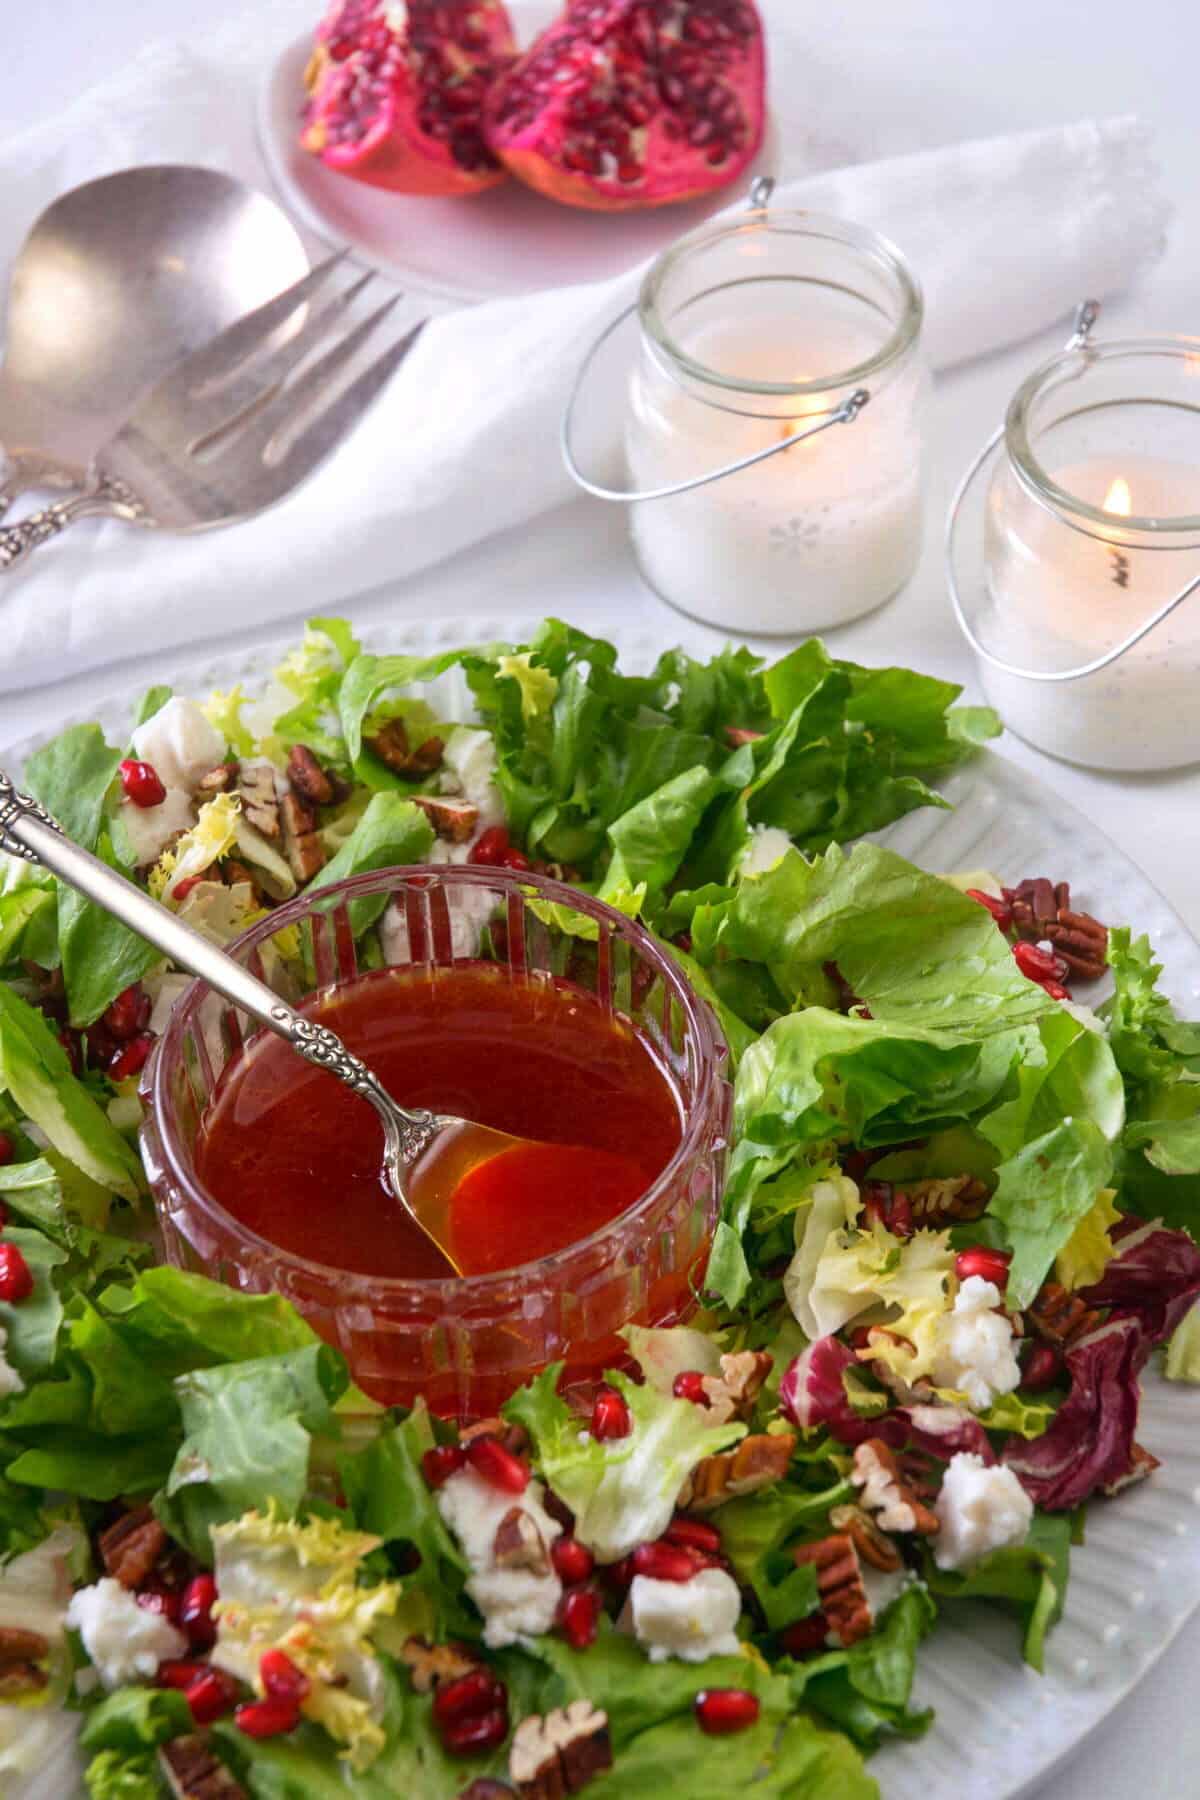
(465, 1343)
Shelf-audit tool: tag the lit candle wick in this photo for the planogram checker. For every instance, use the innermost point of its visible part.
(1118, 500)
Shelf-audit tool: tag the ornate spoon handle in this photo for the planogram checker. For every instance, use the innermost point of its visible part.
(28, 830)
(107, 499)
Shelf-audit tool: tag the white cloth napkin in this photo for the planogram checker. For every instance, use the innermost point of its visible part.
(1006, 235)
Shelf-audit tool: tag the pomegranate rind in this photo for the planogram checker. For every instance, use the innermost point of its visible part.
(366, 58)
(594, 88)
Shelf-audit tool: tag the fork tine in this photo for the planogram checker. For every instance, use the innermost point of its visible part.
(225, 353)
(335, 421)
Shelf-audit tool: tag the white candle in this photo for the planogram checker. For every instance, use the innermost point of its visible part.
(1060, 597)
(810, 538)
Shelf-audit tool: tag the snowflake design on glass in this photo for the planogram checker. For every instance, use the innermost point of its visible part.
(795, 537)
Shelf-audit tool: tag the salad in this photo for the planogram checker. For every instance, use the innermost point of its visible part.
(958, 1223)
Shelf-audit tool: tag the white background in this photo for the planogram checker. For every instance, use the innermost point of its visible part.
(959, 69)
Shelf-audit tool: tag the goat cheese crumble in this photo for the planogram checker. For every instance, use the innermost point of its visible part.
(979, 1509)
(124, 1640)
(768, 845)
(974, 1350)
(692, 1620)
(516, 1603)
(179, 743)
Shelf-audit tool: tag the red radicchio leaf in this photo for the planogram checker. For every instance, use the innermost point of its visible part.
(813, 1392)
(945, 1430)
(1090, 1443)
(1154, 1279)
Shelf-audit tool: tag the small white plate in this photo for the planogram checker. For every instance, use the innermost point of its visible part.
(492, 246)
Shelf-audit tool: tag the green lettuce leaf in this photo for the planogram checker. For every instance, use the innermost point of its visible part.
(1031, 1577)
(136, 1718)
(1043, 1193)
(178, 1321)
(391, 832)
(867, 1689)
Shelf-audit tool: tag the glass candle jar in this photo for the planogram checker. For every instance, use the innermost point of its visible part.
(464, 1342)
(750, 330)
(1092, 524)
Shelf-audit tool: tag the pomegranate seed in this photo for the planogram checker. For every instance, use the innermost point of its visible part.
(182, 889)
(267, 1718)
(805, 1636)
(664, 1562)
(1038, 964)
(210, 1695)
(722, 1711)
(620, 1574)
(490, 848)
(694, 1534)
(1041, 1370)
(132, 1059)
(489, 1458)
(8, 1149)
(16, 1277)
(141, 783)
(573, 1561)
(690, 1386)
(443, 1461)
(70, 1043)
(990, 1265)
(515, 859)
(128, 1014)
(176, 1673)
(900, 1218)
(579, 1615)
(195, 1612)
(610, 1415)
(163, 1601)
(1056, 990)
(467, 1697)
(473, 1736)
(281, 1678)
(1000, 910)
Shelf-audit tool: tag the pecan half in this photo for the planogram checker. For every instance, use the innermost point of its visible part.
(21, 1678)
(885, 1492)
(20, 1653)
(840, 1585)
(192, 1772)
(218, 779)
(732, 1393)
(308, 778)
(391, 746)
(873, 1546)
(759, 1460)
(130, 1548)
(559, 1753)
(256, 789)
(301, 845)
(1042, 909)
(231, 871)
(1141, 1466)
(518, 1544)
(1061, 1318)
(453, 820)
(430, 1664)
(944, 1200)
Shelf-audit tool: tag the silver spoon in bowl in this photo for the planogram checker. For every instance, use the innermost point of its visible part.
(117, 281)
(425, 1154)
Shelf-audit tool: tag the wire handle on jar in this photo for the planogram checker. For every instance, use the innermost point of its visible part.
(1086, 315)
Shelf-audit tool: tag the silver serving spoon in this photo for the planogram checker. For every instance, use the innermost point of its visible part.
(426, 1155)
(118, 280)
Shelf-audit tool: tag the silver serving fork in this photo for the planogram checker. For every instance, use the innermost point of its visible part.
(225, 433)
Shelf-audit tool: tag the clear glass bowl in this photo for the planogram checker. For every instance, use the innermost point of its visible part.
(463, 1343)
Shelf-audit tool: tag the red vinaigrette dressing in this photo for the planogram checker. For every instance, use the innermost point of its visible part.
(296, 1157)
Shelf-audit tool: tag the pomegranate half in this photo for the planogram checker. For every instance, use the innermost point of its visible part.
(396, 91)
(634, 103)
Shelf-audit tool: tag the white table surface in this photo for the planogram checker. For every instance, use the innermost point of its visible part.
(970, 70)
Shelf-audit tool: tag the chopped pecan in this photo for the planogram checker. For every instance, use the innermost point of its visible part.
(513, 1437)
(1042, 909)
(887, 1494)
(232, 871)
(308, 777)
(20, 1653)
(431, 1664)
(559, 1753)
(944, 1200)
(873, 1546)
(453, 820)
(21, 1678)
(192, 1772)
(391, 746)
(130, 1548)
(518, 1544)
(1141, 1466)
(219, 779)
(256, 789)
(840, 1585)
(732, 1393)
(301, 845)
(1061, 1318)
(737, 735)
(759, 1460)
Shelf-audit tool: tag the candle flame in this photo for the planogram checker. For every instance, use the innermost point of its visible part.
(1118, 499)
(806, 411)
